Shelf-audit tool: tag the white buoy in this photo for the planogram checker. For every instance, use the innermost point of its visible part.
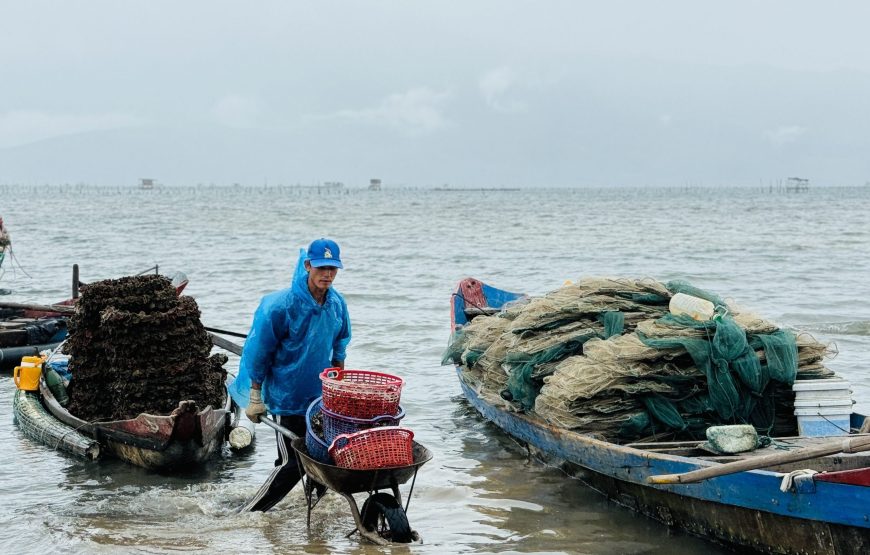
(242, 435)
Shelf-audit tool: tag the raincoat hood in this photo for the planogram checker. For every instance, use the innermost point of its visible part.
(292, 339)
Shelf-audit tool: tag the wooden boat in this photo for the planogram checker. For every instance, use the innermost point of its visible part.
(186, 437)
(27, 332)
(825, 513)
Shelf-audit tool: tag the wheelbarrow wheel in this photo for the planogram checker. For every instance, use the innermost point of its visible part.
(383, 515)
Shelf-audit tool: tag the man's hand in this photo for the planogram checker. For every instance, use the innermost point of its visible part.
(256, 408)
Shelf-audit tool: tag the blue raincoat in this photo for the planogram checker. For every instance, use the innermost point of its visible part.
(291, 341)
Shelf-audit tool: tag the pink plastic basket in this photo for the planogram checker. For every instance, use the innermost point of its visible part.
(386, 447)
(361, 393)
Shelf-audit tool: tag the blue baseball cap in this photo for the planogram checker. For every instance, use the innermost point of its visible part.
(324, 252)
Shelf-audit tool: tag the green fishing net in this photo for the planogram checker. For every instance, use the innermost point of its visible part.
(606, 356)
(455, 346)
(614, 323)
(530, 352)
(735, 377)
(680, 286)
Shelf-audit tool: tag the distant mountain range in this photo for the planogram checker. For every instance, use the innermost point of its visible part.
(734, 126)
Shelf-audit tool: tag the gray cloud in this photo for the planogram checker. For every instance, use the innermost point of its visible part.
(785, 134)
(417, 110)
(234, 110)
(426, 92)
(495, 87)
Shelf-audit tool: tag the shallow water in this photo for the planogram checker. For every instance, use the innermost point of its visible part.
(799, 259)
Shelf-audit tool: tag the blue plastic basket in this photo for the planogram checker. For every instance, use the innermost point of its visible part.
(317, 448)
(335, 424)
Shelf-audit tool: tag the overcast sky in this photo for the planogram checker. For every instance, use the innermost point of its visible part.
(494, 93)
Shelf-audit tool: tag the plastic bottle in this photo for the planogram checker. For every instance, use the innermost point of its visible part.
(55, 385)
(693, 307)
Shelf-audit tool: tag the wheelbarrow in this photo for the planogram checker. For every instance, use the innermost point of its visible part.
(383, 519)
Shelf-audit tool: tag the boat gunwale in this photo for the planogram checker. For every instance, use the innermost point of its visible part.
(637, 465)
(104, 431)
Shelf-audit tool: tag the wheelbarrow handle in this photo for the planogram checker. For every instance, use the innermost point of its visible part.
(278, 428)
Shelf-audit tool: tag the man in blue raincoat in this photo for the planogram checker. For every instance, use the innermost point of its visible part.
(296, 333)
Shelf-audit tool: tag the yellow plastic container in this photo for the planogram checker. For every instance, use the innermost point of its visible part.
(27, 375)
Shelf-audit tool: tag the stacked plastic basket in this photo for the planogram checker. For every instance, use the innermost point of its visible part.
(358, 419)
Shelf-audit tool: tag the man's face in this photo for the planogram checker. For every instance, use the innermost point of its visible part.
(322, 277)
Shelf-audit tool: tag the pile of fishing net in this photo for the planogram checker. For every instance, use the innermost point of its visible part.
(135, 346)
(606, 356)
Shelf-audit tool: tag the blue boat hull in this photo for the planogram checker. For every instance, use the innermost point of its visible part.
(746, 510)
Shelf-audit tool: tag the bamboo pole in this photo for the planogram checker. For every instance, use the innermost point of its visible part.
(852, 445)
(62, 308)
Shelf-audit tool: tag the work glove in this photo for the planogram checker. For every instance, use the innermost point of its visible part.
(256, 408)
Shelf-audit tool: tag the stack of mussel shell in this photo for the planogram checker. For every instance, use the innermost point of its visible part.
(136, 347)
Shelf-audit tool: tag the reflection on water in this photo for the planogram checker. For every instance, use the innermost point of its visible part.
(536, 504)
(404, 251)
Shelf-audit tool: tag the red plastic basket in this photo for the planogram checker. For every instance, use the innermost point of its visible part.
(361, 393)
(386, 447)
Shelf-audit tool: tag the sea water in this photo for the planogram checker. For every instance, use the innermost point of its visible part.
(799, 259)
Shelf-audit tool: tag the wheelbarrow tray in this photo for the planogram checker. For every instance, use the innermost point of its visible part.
(349, 481)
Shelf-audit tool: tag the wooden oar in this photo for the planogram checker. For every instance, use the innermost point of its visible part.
(219, 341)
(225, 332)
(853, 445)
